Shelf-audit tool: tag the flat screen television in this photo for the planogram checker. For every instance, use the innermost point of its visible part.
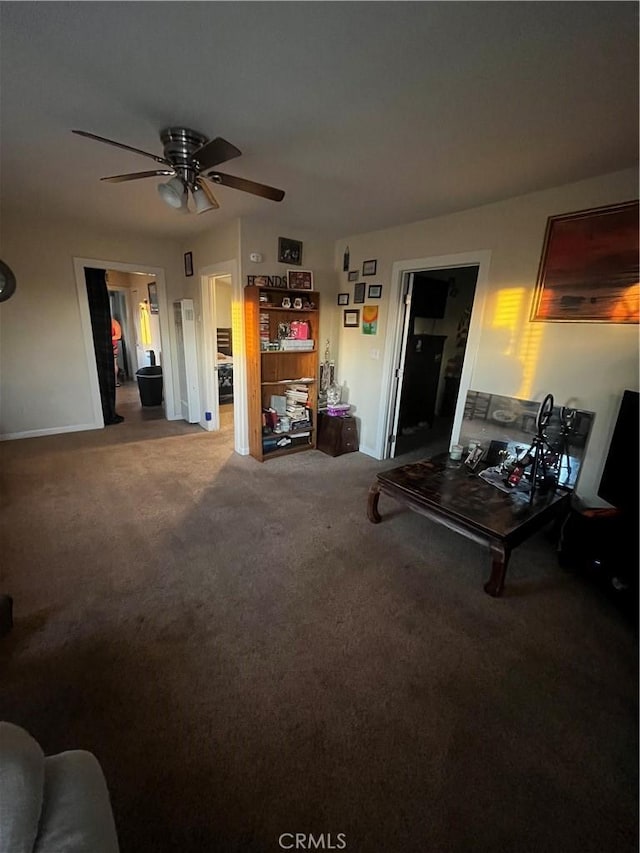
(619, 484)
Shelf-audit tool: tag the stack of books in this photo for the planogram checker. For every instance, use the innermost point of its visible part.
(296, 345)
(264, 331)
(297, 396)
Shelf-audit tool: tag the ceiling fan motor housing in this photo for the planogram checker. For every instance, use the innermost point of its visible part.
(180, 144)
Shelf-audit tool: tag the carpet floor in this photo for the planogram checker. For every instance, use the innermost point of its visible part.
(248, 656)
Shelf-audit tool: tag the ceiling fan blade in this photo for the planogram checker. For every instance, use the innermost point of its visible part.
(133, 176)
(216, 151)
(206, 189)
(246, 186)
(122, 145)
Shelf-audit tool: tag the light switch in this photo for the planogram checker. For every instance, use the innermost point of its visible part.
(374, 354)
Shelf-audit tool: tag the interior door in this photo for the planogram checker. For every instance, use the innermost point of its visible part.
(399, 371)
(184, 320)
(214, 402)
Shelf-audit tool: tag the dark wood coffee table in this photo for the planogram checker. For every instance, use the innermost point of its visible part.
(456, 497)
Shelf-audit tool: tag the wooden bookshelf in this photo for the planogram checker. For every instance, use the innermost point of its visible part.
(270, 370)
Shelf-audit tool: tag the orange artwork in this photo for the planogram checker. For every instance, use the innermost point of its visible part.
(589, 268)
(370, 320)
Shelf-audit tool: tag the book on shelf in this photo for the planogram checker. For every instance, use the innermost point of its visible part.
(279, 403)
(296, 345)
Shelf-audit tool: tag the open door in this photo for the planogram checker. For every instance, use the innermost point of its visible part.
(407, 288)
(184, 320)
(437, 310)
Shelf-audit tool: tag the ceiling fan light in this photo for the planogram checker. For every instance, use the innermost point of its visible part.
(174, 193)
(202, 203)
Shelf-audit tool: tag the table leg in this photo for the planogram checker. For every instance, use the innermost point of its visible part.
(500, 554)
(372, 504)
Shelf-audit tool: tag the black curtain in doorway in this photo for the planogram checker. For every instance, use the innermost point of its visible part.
(100, 312)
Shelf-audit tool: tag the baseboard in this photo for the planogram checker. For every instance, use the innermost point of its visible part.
(368, 451)
(39, 433)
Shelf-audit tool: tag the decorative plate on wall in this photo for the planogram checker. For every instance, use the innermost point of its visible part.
(7, 282)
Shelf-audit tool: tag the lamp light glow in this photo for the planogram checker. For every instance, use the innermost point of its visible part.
(202, 201)
(174, 193)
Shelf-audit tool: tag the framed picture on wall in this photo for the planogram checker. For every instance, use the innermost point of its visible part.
(289, 251)
(300, 279)
(351, 318)
(343, 299)
(370, 320)
(589, 268)
(358, 292)
(188, 263)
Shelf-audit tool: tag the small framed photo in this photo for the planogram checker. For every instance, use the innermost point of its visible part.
(351, 318)
(358, 293)
(289, 251)
(374, 291)
(474, 458)
(188, 263)
(343, 299)
(353, 275)
(300, 279)
(153, 298)
(369, 267)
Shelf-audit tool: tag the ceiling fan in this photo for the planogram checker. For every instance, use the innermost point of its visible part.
(189, 161)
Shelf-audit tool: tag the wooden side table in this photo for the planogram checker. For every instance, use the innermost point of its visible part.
(337, 435)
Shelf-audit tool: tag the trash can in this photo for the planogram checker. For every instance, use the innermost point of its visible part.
(150, 385)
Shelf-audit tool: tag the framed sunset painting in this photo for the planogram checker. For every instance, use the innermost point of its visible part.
(589, 270)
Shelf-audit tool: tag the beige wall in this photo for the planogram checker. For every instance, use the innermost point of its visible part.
(585, 365)
(44, 379)
(317, 256)
(220, 243)
(224, 298)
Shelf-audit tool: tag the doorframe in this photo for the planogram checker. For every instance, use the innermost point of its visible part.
(79, 265)
(209, 383)
(480, 258)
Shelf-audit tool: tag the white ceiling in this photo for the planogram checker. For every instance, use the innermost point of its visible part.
(368, 114)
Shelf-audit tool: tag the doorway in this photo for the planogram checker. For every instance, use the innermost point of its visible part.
(437, 315)
(134, 306)
(224, 346)
(399, 308)
(224, 381)
(137, 272)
